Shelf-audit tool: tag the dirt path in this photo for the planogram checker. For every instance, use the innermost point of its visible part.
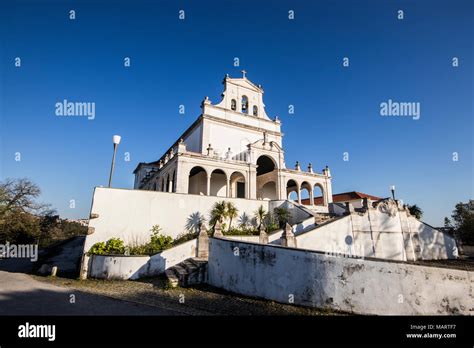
(22, 294)
(201, 300)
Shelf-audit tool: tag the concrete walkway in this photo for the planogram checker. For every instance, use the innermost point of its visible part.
(20, 294)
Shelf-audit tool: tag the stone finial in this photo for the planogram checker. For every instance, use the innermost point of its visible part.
(297, 166)
(288, 237)
(171, 153)
(210, 151)
(160, 165)
(181, 146)
(203, 243)
(228, 154)
(218, 230)
(263, 236)
(166, 158)
(310, 168)
(326, 171)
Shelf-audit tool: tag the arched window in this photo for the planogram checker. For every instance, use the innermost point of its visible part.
(255, 110)
(245, 104)
(233, 104)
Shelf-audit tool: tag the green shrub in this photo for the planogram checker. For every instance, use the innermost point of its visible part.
(114, 246)
(184, 237)
(158, 242)
(241, 232)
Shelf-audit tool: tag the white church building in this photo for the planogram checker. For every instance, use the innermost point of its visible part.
(234, 149)
(352, 252)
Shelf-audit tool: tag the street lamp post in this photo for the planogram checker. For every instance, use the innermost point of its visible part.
(392, 188)
(116, 140)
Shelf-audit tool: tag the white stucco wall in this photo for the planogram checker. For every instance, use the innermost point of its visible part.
(135, 267)
(193, 139)
(198, 184)
(223, 136)
(130, 214)
(377, 234)
(353, 285)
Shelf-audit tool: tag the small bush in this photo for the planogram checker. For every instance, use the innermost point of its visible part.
(241, 232)
(158, 242)
(114, 246)
(184, 237)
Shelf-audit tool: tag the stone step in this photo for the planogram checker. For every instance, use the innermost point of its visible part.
(188, 272)
(172, 278)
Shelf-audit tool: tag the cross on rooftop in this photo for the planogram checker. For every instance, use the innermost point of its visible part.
(243, 73)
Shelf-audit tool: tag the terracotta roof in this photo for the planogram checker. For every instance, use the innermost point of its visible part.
(343, 197)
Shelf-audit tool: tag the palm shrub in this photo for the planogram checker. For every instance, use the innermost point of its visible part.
(218, 213)
(282, 215)
(231, 212)
(260, 215)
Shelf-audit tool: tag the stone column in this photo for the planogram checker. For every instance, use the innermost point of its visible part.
(263, 236)
(203, 243)
(208, 185)
(288, 237)
(311, 196)
(218, 230)
(227, 187)
(299, 194)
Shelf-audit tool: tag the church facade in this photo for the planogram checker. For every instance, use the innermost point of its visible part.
(234, 149)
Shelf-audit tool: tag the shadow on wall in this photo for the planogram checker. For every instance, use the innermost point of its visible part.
(194, 221)
(437, 244)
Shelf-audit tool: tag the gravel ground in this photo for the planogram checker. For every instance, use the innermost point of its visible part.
(465, 264)
(200, 300)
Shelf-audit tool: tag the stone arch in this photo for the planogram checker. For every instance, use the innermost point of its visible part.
(268, 191)
(244, 106)
(319, 195)
(265, 164)
(218, 183)
(306, 191)
(267, 173)
(238, 185)
(292, 186)
(197, 181)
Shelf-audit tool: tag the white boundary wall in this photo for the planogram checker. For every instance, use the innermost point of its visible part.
(135, 267)
(130, 214)
(362, 286)
(375, 234)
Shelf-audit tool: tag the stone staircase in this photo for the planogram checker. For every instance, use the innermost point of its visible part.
(188, 272)
(321, 218)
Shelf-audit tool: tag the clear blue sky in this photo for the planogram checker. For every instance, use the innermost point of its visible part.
(298, 62)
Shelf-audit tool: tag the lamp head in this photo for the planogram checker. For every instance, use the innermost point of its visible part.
(116, 139)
